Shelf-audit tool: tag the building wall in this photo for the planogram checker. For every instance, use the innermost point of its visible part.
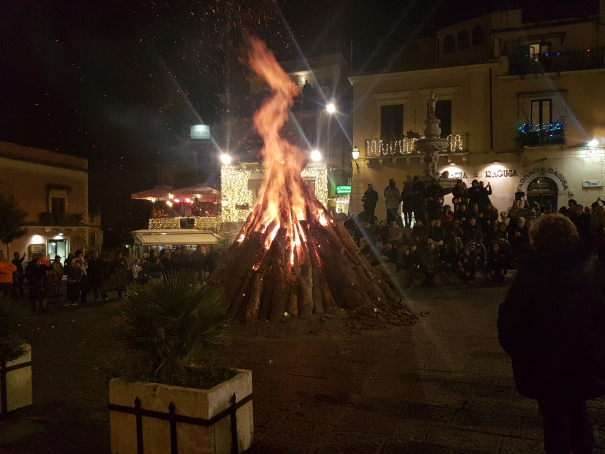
(489, 104)
(33, 177)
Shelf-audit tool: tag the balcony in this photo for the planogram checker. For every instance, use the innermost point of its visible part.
(404, 146)
(521, 63)
(535, 135)
(63, 220)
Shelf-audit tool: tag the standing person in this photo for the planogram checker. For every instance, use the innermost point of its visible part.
(121, 273)
(392, 199)
(97, 270)
(552, 325)
(369, 200)
(36, 275)
(418, 197)
(74, 278)
(6, 275)
(407, 208)
(18, 276)
(58, 270)
(460, 195)
(434, 199)
(81, 257)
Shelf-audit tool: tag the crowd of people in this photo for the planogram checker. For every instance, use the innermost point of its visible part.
(459, 240)
(91, 274)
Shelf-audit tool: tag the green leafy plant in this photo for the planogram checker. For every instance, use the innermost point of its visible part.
(14, 317)
(175, 326)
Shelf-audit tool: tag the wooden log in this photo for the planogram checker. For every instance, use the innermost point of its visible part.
(292, 306)
(317, 294)
(256, 289)
(280, 298)
(306, 291)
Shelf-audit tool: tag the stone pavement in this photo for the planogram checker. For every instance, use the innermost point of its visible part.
(441, 386)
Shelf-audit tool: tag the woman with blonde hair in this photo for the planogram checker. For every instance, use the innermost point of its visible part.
(552, 325)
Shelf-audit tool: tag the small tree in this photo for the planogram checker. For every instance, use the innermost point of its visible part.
(12, 219)
(171, 325)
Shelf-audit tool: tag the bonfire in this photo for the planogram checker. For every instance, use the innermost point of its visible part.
(291, 258)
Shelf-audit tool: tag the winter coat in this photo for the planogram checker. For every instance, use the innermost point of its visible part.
(552, 325)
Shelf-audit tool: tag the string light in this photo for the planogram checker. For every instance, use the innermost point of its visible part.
(240, 199)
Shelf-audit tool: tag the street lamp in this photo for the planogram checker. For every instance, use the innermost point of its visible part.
(225, 159)
(315, 156)
(355, 155)
(330, 108)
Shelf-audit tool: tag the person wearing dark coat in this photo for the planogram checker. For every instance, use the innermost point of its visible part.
(552, 325)
(369, 200)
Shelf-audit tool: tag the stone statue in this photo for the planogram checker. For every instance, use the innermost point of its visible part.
(432, 103)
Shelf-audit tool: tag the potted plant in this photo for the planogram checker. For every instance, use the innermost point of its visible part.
(173, 327)
(15, 356)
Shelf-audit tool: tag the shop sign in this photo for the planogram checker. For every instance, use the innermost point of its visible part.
(592, 183)
(543, 172)
(501, 173)
(343, 189)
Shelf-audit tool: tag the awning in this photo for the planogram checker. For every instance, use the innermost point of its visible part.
(174, 237)
(163, 193)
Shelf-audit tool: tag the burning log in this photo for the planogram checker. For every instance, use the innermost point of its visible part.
(290, 257)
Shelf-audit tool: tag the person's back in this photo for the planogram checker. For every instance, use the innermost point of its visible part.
(552, 324)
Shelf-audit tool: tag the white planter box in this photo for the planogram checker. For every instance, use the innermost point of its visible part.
(18, 383)
(194, 407)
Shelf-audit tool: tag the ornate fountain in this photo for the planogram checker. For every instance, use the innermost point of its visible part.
(432, 144)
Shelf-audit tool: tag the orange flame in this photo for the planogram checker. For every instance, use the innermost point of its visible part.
(283, 200)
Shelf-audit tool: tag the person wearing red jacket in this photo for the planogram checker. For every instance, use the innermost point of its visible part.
(6, 275)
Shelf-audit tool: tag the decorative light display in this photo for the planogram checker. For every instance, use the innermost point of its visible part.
(376, 148)
(200, 223)
(165, 223)
(542, 133)
(235, 192)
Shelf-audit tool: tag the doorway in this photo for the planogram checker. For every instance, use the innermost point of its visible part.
(56, 247)
(542, 195)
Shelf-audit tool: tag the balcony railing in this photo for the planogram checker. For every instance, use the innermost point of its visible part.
(404, 146)
(520, 62)
(530, 134)
(60, 219)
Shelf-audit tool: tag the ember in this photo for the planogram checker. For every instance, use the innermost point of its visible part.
(291, 257)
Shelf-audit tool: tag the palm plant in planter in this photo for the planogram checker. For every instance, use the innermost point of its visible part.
(173, 327)
(15, 356)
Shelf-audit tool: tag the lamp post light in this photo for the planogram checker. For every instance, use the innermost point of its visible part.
(355, 155)
(331, 109)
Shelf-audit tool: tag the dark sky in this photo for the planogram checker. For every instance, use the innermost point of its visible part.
(119, 81)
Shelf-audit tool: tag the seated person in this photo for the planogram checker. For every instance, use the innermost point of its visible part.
(498, 262)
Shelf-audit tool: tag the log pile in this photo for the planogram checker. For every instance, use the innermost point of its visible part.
(294, 266)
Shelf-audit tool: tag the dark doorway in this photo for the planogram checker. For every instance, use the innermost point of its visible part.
(542, 194)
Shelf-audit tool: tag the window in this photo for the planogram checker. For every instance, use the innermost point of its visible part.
(541, 111)
(443, 111)
(449, 44)
(463, 41)
(57, 208)
(391, 122)
(537, 50)
(477, 36)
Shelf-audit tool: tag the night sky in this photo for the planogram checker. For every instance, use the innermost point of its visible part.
(119, 82)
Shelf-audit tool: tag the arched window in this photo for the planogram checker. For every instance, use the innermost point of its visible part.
(463, 41)
(449, 44)
(477, 36)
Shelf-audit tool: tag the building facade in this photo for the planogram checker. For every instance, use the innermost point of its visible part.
(518, 103)
(53, 189)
